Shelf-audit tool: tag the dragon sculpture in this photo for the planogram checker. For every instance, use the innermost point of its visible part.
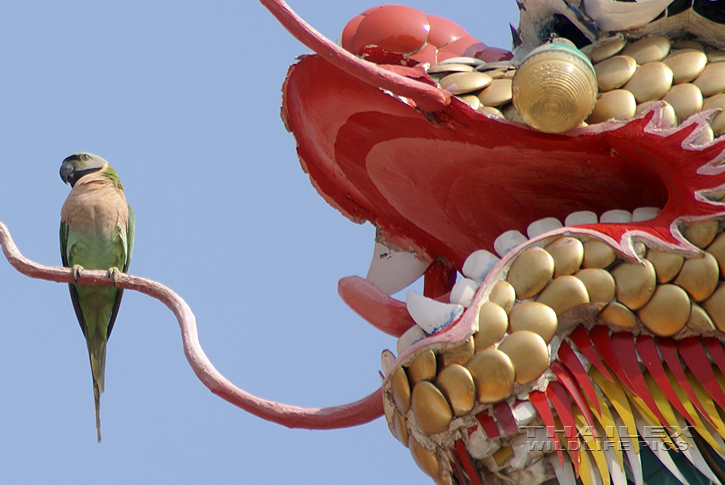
(572, 321)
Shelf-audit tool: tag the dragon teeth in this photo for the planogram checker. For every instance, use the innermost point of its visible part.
(478, 264)
(645, 213)
(386, 361)
(616, 216)
(411, 336)
(507, 241)
(392, 271)
(542, 226)
(432, 316)
(580, 218)
(463, 292)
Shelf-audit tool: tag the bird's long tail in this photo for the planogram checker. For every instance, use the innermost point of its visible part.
(97, 354)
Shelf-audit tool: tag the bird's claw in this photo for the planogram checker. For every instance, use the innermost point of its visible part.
(114, 273)
(77, 268)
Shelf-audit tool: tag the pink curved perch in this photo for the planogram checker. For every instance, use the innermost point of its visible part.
(346, 415)
(427, 97)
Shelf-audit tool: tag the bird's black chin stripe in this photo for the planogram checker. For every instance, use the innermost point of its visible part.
(76, 176)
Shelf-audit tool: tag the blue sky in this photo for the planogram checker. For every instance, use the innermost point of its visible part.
(184, 100)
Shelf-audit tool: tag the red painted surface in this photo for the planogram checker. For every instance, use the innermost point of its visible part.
(505, 419)
(393, 28)
(567, 380)
(674, 364)
(694, 355)
(541, 403)
(488, 425)
(467, 464)
(560, 399)
(602, 341)
(397, 34)
(647, 352)
(714, 346)
(450, 182)
(439, 279)
(567, 357)
(581, 339)
(384, 313)
(624, 349)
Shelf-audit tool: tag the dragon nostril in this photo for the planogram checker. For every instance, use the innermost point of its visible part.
(563, 27)
(713, 10)
(678, 6)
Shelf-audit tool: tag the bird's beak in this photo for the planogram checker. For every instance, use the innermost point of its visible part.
(66, 172)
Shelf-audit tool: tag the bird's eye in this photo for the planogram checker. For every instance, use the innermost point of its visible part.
(85, 157)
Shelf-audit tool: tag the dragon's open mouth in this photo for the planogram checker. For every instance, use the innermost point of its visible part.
(587, 260)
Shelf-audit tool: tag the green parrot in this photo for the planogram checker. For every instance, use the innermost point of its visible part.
(96, 232)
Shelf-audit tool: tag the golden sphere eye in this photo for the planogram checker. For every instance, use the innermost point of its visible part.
(86, 157)
(555, 88)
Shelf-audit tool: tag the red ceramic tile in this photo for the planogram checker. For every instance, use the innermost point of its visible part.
(394, 28)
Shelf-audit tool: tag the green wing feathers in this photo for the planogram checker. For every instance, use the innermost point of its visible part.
(64, 242)
(130, 235)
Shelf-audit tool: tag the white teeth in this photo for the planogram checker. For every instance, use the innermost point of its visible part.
(411, 336)
(580, 218)
(432, 316)
(617, 216)
(391, 270)
(541, 226)
(507, 241)
(386, 361)
(645, 213)
(463, 292)
(478, 264)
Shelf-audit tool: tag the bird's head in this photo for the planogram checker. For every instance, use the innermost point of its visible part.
(80, 164)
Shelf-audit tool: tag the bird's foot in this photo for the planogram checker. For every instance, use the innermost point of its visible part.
(114, 273)
(77, 268)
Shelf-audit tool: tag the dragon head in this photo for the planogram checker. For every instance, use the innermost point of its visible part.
(572, 291)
